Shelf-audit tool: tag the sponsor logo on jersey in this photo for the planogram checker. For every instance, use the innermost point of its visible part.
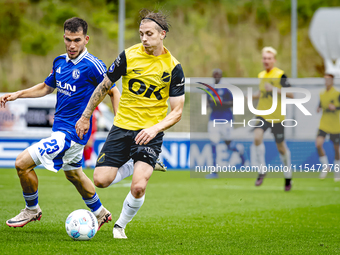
(150, 151)
(182, 83)
(117, 61)
(112, 68)
(138, 71)
(76, 74)
(166, 77)
(101, 158)
(66, 86)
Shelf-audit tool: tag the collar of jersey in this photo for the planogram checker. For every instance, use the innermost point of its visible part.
(167, 54)
(78, 59)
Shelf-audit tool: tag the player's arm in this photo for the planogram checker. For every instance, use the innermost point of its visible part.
(83, 124)
(115, 97)
(116, 70)
(257, 94)
(338, 107)
(319, 107)
(177, 98)
(284, 83)
(176, 104)
(39, 90)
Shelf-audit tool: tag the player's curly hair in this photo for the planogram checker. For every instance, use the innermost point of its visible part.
(158, 17)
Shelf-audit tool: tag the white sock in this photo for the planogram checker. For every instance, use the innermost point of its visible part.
(32, 207)
(96, 212)
(253, 156)
(260, 154)
(324, 161)
(336, 168)
(286, 160)
(124, 171)
(131, 206)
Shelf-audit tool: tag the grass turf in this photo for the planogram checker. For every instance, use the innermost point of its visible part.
(182, 215)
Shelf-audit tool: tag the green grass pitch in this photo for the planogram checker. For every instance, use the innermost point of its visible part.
(182, 215)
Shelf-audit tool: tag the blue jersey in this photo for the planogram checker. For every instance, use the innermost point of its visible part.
(218, 111)
(75, 80)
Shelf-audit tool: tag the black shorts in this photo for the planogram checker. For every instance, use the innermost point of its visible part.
(277, 129)
(335, 138)
(120, 146)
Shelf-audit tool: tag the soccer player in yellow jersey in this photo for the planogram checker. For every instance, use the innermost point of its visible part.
(150, 76)
(271, 77)
(329, 124)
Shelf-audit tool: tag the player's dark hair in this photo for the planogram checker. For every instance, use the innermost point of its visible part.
(75, 24)
(158, 17)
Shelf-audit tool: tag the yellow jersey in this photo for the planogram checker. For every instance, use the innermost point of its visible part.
(148, 81)
(330, 120)
(277, 78)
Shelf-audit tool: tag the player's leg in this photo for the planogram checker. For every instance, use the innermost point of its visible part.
(284, 153)
(87, 190)
(24, 165)
(320, 139)
(135, 199)
(335, 138)
(232, 146)
(285, 157)
(145, 157)
(258, 150)
(214, 134)
(113, 164)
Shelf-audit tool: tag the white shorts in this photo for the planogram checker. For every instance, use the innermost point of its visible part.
(219, 132)
(57, 151)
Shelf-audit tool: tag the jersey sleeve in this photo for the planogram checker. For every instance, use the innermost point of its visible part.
(177, 82)
(118, 68)
(284, 81)
(98, 71)
(50, 80)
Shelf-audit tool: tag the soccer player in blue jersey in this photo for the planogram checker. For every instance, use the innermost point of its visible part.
(222, 112)
(75, 75)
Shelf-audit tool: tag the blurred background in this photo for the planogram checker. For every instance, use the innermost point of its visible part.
(225, 34)
(228, 34)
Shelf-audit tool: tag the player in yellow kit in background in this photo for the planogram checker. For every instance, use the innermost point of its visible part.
(271, 77)
(329, 124)
(150, 76)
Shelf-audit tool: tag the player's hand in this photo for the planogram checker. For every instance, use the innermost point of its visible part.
(7, 97)
(268, 87)
(318, 109)
(146, 135)
(82, 126)
(331, 107)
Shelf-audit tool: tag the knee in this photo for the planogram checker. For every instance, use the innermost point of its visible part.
(20, 166)
(257, 140)
(137, 191)
(100, 181)
(318, 146)
(282, 151)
